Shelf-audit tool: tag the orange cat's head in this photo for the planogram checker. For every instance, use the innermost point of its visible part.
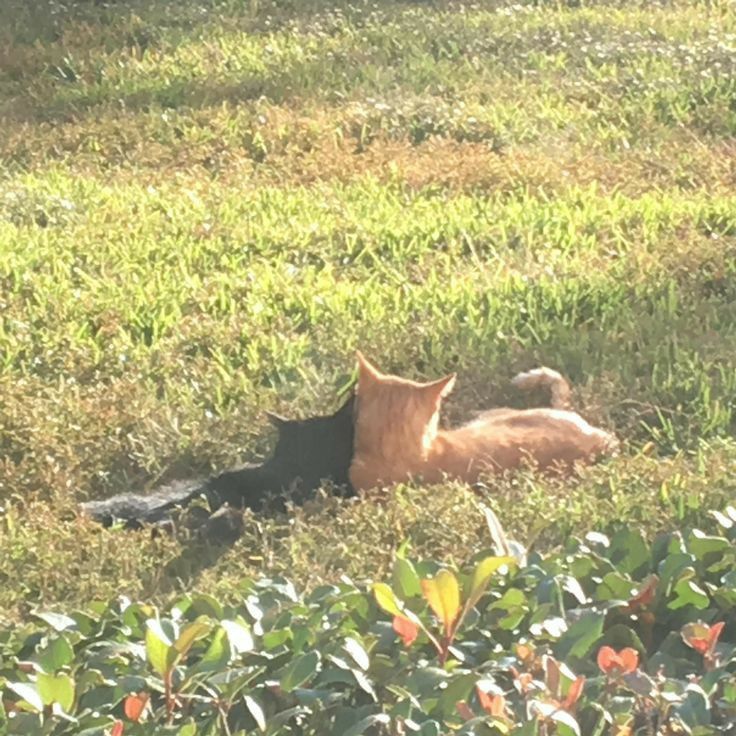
(396, 418)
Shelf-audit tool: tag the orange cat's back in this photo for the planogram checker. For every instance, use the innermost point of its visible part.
(503, 439)
(397, 436)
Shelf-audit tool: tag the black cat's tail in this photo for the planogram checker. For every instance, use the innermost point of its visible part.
(136, 509)
(250, 486)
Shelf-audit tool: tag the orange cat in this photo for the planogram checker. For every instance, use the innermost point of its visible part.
(397, 436)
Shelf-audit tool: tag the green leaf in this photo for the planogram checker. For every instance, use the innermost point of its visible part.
(357, 652)
(695, 709)
(482, 576)
(386, 599)
(189, 730)
(725, 598)
(442, 592)
(239, 637)
(300, 637)
(207, 605)
(581, 636)
(629, 551)
(729, 692)
(365, 723)
(672, 567)
(56, 655)
(405, 578)
(364, 683)
(729, 579)
(619, 636)
(570, 585)
(424, 681)
(27, 692)
(56, 689)
(299, 671)
(217, 654)
(513, 602)
(282, 717)
(86, 622)
(640, 683)
(530, 728)
(57, 621)
(256, 711)
(614, 586)
(189, 634)
(512, 599)
(566, 723)
(430, 728)
(701, 544)
(689, 594)
(459, 688)
(159, 646)
(275, 638)
(135, 616)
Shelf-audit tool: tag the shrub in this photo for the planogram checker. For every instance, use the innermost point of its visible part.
(608, 635)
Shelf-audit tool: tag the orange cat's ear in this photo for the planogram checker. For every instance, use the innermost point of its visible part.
(442, 387)
(367, 372)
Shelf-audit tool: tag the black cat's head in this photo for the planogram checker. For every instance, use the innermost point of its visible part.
(314, 449)
(307, 452)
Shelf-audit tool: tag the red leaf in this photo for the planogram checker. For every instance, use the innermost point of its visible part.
(494, 705)
(522, 681)
(135, 705)
(645, 596)
(464, 710)
(629, 660)
(612, 662)
(407, 630)
(117, 729)
(607, 659)
(552, 673)
(698, 635)
(498, 707)
(525, 653)
(574, 693)
(699, 645)
(714, 634)
(701, 637)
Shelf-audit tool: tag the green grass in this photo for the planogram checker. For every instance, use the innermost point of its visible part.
(206, 207)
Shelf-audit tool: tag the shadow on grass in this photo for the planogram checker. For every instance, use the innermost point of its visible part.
(32, 21)
(339, 71)
(279, 85)
(183, 571)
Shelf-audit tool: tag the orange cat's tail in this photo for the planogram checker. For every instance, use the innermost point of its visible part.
(558, 387)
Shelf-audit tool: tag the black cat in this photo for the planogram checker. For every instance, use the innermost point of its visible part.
(307, 452)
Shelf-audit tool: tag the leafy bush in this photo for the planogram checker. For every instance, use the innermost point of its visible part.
(608, 635)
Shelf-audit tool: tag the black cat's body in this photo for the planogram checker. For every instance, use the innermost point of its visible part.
(307, 452)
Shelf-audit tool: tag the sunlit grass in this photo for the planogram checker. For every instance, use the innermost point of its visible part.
(206, 207)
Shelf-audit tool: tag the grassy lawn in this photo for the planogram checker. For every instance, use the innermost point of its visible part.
(205, 207)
